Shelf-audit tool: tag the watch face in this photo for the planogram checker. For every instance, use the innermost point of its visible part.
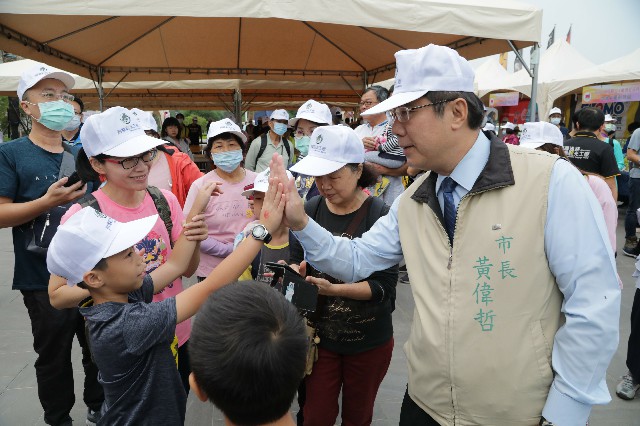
(259, 231)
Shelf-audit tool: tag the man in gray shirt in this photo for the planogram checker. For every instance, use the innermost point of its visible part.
(631, 247)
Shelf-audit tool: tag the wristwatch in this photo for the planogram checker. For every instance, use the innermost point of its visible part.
(260, 233)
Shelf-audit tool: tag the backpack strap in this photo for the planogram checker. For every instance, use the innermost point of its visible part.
(89, 200)
(163, 209)
(263, 146)
(359, 217)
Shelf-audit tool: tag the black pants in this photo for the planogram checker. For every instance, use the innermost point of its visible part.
(412, 415)
(53, 332)
(633, 350)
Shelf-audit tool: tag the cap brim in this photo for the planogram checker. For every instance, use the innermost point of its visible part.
(398, 99)
(316, 166)
(248, 192)
(233, 132)
(134, 146)
(130, 233)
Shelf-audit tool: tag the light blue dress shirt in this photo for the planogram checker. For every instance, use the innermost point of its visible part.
(580, 258)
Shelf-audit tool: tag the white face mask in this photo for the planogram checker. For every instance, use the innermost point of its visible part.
(555, 121)
(73, 124)
(610, 127)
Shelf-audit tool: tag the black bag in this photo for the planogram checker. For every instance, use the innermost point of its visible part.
(42, 229)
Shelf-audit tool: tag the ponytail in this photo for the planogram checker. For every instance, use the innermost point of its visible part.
(84, 168)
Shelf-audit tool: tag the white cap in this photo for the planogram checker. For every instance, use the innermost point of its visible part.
(508, 125)
(331, 148)
(608, 118)
(89, 236)
(537, 134)
(430, 68)
(279, 114)
(260, 183)
(39, 71)
(488, 127)
(555, 110)
(146, 119)
(226, 125)
(116, 132)
(313, 111)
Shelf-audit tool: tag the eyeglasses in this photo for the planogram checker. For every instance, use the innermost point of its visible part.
(300, 133)
(131, 162)
(49, 96)
(402, 113)
(368, 103)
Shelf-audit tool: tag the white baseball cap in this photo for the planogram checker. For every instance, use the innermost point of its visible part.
(30, 77)
(608, 118)
(430, 68)
(489, 127)
(509, 125)
(331, 148)
(537, 134)
(555, 110)
(279, 114)
(146, 119)
(313, 111)
(116, 132)
(260, 183)
(89, 236)
(226, 125)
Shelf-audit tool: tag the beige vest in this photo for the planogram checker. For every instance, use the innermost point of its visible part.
(487, 309)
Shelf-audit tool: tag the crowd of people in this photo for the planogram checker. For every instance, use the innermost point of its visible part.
(509, 249)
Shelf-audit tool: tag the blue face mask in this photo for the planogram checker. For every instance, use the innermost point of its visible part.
(55, 115)
(227, 161)
(302, 144)
(279, 128)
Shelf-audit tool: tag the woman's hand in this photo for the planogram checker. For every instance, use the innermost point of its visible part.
(325, 288)
(273, 205)
(205, 193)
(295, 217)
(196, 230)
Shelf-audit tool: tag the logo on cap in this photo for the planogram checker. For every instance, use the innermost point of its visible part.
(318, 139)
(43, 69)
(125, 119)
(309, 106)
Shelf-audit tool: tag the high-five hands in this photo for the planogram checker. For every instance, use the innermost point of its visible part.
(294, 216)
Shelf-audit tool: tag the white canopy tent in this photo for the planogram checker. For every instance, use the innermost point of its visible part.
(490, 74)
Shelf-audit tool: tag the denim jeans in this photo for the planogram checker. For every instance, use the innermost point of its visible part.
(631, 218)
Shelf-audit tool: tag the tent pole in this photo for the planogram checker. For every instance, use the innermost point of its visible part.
(237, 106)
(524, 64)
(535, 59)
(366, 79)
(100, 88)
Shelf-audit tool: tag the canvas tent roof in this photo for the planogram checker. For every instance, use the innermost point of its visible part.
(346, 42)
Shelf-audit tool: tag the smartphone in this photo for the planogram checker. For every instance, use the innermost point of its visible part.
(75, 177)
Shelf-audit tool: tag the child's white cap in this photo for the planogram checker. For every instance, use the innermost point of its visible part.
(89, 236)
(539, 133)
(261, 183)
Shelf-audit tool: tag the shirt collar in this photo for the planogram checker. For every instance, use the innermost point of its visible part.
(469, 168)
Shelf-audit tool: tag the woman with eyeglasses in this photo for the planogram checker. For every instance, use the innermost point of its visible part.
(116, 151)
(352, 320)
(310, 116)
(227, 214)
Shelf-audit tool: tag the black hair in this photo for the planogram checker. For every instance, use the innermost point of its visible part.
(77, 100)
(368, 176)
(179, 115)
(224, 136)
(382, 94)
(85, 169)
(475, 107)
(248, 350)
(590, 119)
(509, 131)
(169, 121)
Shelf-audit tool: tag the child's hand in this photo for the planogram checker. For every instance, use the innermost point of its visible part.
(205, 193)
(196, 230)
(273, 205)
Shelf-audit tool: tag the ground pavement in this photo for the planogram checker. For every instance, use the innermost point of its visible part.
(19, 403)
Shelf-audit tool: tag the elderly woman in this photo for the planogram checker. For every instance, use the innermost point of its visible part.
(227, 214)
(353, 320)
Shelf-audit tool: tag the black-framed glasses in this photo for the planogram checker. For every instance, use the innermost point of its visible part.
(402, 113)
(131, 162)
(368, 103)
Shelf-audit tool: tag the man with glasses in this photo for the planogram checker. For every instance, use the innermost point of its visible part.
(71, 132)
(516, 294)
(30, 187)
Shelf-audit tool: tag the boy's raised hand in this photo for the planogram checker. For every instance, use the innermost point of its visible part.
(205, 193)
(295, 216)
(273, 205)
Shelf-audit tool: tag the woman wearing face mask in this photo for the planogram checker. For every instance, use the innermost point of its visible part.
(71, 132)
(227, 214)
(609, 137)
(171, 133)
(262, 148)
(310, 116)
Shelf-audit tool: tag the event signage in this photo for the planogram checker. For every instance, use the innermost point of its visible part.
(504, 99)
(605, 93)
